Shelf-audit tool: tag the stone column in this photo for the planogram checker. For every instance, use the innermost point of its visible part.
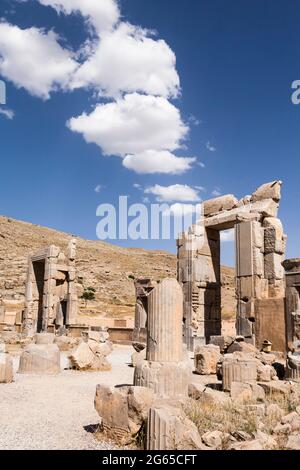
(165, 371)
(292, 309)
(165, 323)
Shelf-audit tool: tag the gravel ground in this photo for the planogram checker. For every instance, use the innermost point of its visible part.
(57, 412)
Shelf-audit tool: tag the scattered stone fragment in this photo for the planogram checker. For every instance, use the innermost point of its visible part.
(241, 392)
(213, 439)
(206, 359)
(268, 442)
(196, 390)
(283, 429)
(169, 429)
(40, 359)
(293, 442)
(249, 445)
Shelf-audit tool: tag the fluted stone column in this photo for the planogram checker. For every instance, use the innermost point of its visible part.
(165, 322)
(238, 370)
(165, 370)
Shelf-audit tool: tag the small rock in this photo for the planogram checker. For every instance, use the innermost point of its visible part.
(241, 392)
(274, 411)
(258, 410)
(196, 391)
(266, 441)
(275, 388)
(206, 359)
(293, 442)
(289, 418)
(213, 439)
(283, 429)
(241, 436)
(249, 445)
(265, 373)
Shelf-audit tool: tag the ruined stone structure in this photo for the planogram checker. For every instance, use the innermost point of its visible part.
(143, 287)
(292, 311)
(51, 299)
(165, 370)
(260, 247)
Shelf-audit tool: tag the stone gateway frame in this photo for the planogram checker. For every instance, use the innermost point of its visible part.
(51, 298)
(260, 250)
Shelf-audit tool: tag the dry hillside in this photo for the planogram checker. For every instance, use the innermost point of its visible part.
(109, 269)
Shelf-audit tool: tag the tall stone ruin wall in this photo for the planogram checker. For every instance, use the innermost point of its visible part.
(260, 250)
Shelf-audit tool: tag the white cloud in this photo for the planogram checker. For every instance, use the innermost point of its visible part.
(119, 61)
(179, 210)
(201, 164)
(157, 161)
(175, 192)
(210, 147)
(102, 14)
(33, 59)
(137, 186)
(132, 125)
(8, 113)
(128, 60)
(216, 192)
(227, 235)
(98, 188)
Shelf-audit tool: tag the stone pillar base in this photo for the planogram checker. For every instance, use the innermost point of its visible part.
(238, 370)
(6, 369)
(166, 379)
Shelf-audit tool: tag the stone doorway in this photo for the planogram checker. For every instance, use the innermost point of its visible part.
(39, 275)
(260, 247)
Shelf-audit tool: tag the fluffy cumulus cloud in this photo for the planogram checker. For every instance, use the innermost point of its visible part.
(119, 61)
(175, 192)
(132, 125)
(34, 60)
(128, 60)
(102, 14)
(157, 161)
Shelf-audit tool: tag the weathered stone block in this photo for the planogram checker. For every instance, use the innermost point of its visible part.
(222, 203)
(123, 410)
(43, 359)
(238, 369)
(166, 379)
(273, 266)
(268, 191)
(169, 429)
(44, 338)
(241, 392)
(206, 359)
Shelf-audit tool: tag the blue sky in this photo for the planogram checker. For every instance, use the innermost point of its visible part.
(236, 62)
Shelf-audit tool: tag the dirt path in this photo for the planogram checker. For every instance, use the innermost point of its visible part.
(42, 412)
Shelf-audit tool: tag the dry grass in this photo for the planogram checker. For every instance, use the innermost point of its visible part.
(226, 418)
(236, 417)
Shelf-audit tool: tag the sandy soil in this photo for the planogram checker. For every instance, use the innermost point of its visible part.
(45, 412)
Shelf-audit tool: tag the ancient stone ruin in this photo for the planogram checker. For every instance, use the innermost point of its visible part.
(260, 248)
(165, 369)
(292, 302)
(51, 298)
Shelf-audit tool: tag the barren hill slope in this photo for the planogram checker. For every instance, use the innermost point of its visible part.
(107, 268)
